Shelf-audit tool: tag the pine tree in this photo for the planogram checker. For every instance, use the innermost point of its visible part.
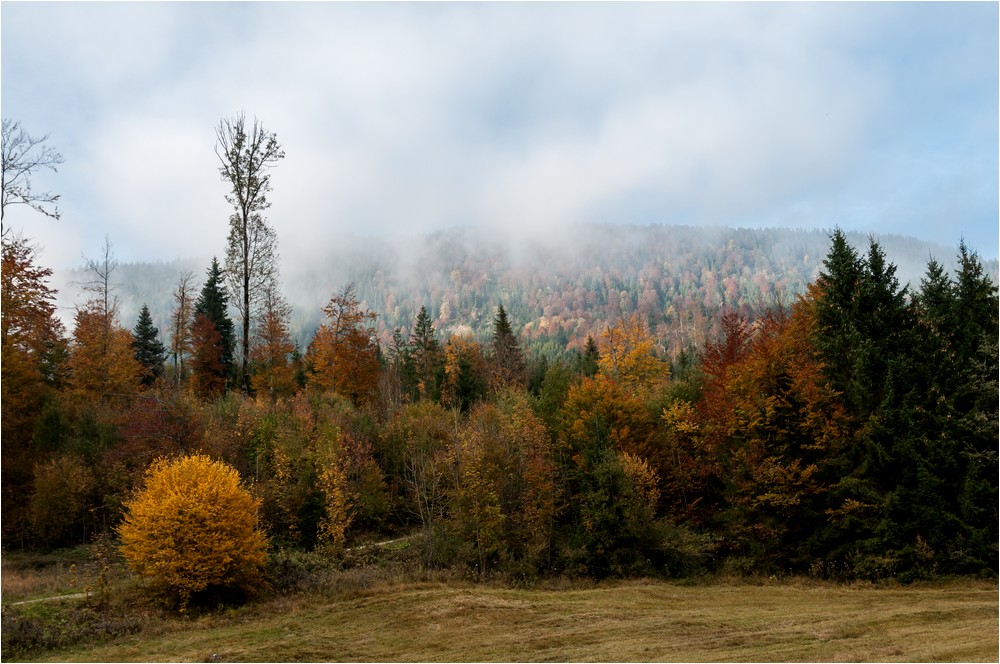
(426, 360)
(211, 313)
(507, 359)
(149, 351)
(837, 335)
(588, 360)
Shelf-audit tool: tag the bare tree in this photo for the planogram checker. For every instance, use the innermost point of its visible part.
(247, 155)
(101, 287)
(181, 323)
(24, 154)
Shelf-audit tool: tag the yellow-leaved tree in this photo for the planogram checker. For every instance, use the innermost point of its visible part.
(628, 354)
(193, 527)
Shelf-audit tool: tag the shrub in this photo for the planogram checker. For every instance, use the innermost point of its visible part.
(193, 528)
(59, 503)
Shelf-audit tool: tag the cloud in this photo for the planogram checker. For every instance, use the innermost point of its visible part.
(401, 118)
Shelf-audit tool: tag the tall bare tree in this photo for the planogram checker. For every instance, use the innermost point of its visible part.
(247, 155)
(22, 155)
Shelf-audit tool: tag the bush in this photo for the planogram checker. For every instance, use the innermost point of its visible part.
(59, 504)
(193, 529)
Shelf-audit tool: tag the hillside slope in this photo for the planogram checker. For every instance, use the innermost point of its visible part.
(558, 290)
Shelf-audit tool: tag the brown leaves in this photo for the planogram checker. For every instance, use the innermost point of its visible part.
(344, 353)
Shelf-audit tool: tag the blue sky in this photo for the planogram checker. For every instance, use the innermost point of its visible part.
(524, 117)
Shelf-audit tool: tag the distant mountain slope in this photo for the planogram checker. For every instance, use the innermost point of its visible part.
(557, 291)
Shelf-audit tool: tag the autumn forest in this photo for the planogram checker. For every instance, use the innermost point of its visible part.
(841, 424)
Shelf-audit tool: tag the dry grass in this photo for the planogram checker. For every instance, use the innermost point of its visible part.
(630, 621)
(32, 576)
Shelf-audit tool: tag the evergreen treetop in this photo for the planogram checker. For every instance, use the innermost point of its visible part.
(213, 303)
(149, 350)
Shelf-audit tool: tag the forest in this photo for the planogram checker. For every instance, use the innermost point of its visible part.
(849, 433)
(839, 425)
(558, 289)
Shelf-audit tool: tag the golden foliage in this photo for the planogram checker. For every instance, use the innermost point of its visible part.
(344, 354)
(645, 481)
(102, 362)
(193, 526)
(337, 506)
(628, 353)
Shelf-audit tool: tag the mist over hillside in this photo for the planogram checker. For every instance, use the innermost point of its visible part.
(557, 290)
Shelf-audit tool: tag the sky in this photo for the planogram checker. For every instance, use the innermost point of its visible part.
(402, 118)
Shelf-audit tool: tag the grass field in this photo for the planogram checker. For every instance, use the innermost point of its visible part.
(793, 620)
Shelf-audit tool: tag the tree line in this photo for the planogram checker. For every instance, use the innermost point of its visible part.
(849, 434)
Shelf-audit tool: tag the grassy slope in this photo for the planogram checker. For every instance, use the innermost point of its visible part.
(632, 621)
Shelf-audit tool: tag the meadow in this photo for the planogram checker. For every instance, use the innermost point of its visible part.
(380, 609)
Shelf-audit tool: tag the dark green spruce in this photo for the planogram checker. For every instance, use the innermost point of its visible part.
(149, 350)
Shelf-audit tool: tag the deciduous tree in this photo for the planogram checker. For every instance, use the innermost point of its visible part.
(247, 154)
(344, 353)
(181, 323)
(193, 527)
(273, 373)
(628, 353)
(32, 356)
(102, 364)
(22, 155)
(466, 374)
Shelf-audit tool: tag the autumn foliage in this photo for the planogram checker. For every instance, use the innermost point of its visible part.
(193, 527)
(344, 354)
(850, 433)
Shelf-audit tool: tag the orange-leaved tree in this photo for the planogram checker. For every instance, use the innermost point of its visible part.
(33, 348)
(344, 354)
(102, 362)
(777, 420)
(193, 527)
(271, 351)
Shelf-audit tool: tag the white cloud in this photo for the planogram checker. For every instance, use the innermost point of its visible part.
(399, 118)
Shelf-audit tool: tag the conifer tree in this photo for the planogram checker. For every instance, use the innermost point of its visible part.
(426, 359)
(149, 351)
(836, 335)
(212, 335)
(588, 360)
(507, 359)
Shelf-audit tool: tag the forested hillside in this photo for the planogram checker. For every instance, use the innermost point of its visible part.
(557, 291)
(851, 432)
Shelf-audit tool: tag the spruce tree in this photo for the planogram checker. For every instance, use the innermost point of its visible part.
(149, 351)
(507, 360)
(425, 360)
(837, 336)
(586, 363)
(213, 306)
